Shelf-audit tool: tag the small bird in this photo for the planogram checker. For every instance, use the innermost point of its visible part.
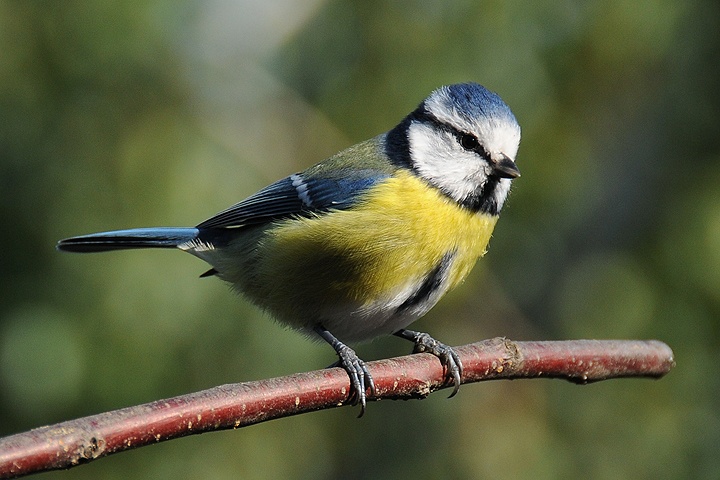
(366, 242)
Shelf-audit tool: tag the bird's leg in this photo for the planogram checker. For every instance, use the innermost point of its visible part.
(449, 359)
(351, 363)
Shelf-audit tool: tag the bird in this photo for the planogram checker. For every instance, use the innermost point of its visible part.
(367, 241)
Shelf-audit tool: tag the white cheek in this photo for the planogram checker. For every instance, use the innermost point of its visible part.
(438, 157)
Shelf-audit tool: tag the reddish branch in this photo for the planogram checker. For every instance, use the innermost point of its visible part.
(237, 405)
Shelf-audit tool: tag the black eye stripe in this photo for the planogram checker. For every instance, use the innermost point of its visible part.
(476, 147)
(466, 140)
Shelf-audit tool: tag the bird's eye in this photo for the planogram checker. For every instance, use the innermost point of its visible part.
(469, 142)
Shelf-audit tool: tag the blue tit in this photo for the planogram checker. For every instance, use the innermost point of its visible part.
(367, 241)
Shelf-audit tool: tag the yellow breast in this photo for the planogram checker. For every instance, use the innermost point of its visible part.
(391, 240)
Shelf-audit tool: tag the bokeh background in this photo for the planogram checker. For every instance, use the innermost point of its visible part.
(125, 114)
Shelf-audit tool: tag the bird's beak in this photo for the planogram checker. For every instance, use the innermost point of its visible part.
(506, 168)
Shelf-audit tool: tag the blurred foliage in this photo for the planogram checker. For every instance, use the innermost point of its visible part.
(122, 114)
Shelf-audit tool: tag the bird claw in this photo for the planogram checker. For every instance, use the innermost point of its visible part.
(360, 378)
(449, 359)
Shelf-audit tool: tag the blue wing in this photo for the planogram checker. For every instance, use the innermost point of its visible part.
(297, 195)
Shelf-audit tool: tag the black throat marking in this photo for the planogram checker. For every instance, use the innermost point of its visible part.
(430, 285)
(397, 148)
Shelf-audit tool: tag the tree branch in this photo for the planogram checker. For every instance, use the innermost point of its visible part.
(71, 443)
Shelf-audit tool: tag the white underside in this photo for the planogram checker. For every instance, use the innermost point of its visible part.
(355, 324)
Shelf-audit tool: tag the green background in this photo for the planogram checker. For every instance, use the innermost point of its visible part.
(125, 114)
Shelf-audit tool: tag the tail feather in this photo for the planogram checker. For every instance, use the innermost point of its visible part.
(162, 237)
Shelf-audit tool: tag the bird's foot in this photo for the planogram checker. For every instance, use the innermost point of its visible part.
(448, 357)
(360, 378)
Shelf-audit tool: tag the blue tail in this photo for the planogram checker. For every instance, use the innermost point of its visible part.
(161, 237)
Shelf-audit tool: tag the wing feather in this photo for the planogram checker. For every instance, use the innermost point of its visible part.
(297, 195)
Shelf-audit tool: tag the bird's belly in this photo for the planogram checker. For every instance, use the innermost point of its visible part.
(369, 270)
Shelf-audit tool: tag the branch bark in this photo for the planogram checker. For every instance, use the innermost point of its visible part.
(74, 442)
